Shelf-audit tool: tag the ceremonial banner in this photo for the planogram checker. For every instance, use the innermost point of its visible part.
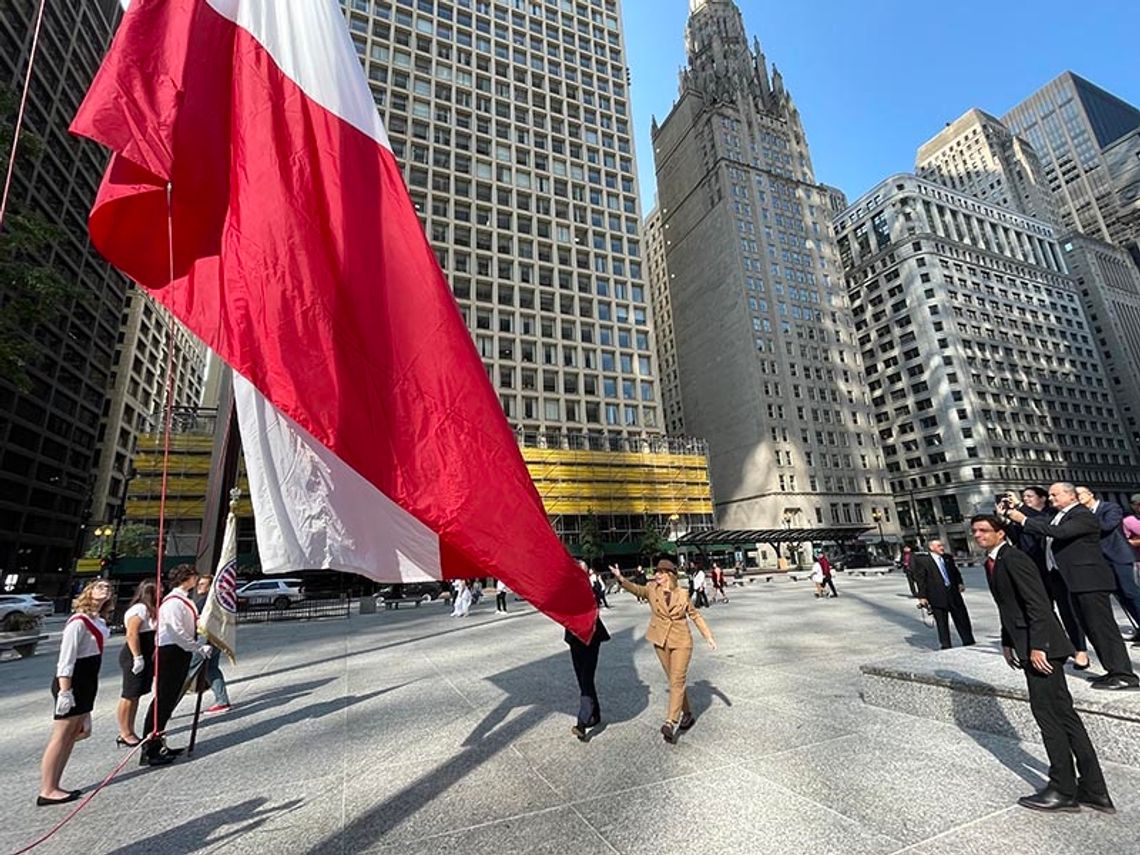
(375, 442)
(218, 621)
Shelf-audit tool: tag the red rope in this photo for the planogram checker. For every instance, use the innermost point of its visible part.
(20, 112)
(55, 828)
(166, 430)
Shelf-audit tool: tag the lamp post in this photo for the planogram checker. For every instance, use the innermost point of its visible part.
(787, 517)
(877, 516)
(103, 532)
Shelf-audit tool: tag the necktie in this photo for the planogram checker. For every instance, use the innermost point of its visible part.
(942, 569)
(990, 568)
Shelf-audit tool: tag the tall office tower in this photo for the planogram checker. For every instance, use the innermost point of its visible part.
(512, 123)
(983, 370)
(1070, 122)
(514, 128)
(768, 369)
(137, 394)
(48, 430)
(657, 276)
(976, 154)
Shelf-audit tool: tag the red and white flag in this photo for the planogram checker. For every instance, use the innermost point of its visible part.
(374, 440)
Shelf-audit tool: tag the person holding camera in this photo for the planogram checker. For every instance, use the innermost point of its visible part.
(1117, 553)
(1072, 549)
(1034, 503)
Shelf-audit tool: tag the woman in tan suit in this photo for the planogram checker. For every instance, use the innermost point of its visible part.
(671, 637)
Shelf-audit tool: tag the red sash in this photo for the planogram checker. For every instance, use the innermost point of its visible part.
(91, 628)
(186, 602)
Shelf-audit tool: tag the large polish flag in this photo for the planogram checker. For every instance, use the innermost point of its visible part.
(374, 441)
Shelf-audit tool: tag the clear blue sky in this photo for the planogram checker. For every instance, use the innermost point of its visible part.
(876, 78)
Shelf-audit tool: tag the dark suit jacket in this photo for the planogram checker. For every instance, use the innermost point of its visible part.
(1031, 544)
(1027, 618)
(1076, 546)
(1113, 544)
(928, 580)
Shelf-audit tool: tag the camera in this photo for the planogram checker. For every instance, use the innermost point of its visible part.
(1003, 502)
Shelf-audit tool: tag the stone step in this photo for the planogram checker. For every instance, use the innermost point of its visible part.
(973, 688)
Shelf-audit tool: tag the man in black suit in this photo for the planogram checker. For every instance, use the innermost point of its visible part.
(1032, 640)
(1116, 551)
(1072, 548)
(939, 585)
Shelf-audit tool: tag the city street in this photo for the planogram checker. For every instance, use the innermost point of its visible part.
(411, 731)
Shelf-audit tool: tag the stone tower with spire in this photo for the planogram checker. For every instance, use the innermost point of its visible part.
(760, 351)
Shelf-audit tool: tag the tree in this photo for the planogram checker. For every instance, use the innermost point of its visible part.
(590, 540)
(32, 292)
(653, 542)
(134, 540)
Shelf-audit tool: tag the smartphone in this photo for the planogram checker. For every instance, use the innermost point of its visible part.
(1001, 500)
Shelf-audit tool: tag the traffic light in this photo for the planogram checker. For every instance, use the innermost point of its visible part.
(104, 565)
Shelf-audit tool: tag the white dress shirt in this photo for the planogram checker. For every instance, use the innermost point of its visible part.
(78, 643)
(1050, 560)
(178, 622)
(140, 611)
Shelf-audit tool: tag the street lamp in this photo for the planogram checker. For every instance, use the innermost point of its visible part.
(877, 516)
(103, 532)
(787, 524)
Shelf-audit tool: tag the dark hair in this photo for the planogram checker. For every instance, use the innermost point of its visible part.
(180, 574)
(994, 522)
(1039, 492)
(146, 593)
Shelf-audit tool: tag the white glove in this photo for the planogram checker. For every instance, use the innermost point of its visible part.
(137, 665)
(64, 702)
(206, 651)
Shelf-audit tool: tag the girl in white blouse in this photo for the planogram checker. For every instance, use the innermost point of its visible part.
(136, 658)
(74, 686)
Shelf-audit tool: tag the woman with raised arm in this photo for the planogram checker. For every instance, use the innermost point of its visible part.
(136, 658)
(75, 685)
(669, 633)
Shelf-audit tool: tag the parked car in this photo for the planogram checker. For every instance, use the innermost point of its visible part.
(31, 605)
(424, 591)
(278, 593)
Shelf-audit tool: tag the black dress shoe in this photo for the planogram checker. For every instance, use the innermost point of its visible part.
(1099, 802)
(1116, 684)
(669, 732)
(44, 801)
(687, 721)
(1050, 800)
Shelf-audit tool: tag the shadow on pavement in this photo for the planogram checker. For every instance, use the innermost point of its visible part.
(1001, 740)
(200, 833)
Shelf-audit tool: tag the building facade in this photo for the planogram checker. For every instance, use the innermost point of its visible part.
(977, 155)
(767, 369)
(657, 277)
(48, 431)
(1070, 122)
(136, 396)
(984, 373)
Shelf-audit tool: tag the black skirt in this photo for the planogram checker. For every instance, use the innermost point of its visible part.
(84, 685)
(137, 685)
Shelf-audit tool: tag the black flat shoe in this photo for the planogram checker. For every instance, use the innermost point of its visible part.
(1114, 684)
(122, 743)
(44, 801)
(579, 731)
(1051, 801)
(1099, 802)
(1084, 667)
(687, 721)
(669, 732)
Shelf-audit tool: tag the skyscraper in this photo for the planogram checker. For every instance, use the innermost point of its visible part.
(982, 366)
(48, 432)
(1070, 122)
(767, 368)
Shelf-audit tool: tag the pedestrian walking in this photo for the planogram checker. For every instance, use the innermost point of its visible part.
(596, 585)
(501, 591)
(74, 686)
(584, 657)
(136, 659)
(940, 587)
(671, 609)
(699, 581)
(719, 592)
(462, 599)
(213, 665)
(828, 579)
(905, 559)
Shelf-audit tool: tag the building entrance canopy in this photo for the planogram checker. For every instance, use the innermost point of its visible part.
(734, 537)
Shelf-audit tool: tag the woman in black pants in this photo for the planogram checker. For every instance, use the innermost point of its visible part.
(177, 641)
(585, 659)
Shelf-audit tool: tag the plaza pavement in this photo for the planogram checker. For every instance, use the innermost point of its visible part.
(412, 732)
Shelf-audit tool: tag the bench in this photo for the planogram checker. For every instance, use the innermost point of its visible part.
(24, 645)
(396, 602)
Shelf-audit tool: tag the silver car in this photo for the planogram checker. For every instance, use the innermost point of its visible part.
(32, 605)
